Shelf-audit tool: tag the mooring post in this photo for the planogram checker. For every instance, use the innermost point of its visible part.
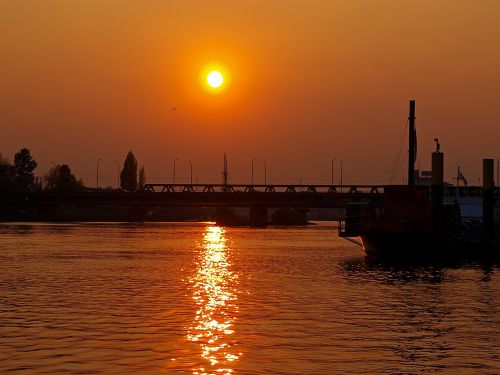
(488, 200)
(437, 194)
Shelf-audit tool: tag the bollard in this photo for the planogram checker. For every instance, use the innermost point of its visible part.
(437, 196)
(488, 200)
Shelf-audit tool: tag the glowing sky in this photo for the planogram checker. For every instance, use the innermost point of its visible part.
(304, 81)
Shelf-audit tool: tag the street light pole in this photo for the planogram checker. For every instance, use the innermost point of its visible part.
(341, 177)
(252, 169)
(341, 172)
(174, 171)
(117, 174)
(265, 173)
(191, 172)
(332, 171)
(97, 182)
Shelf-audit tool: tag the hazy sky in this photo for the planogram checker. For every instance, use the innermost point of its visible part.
(307, 81)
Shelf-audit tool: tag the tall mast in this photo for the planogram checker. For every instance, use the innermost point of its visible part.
(411, 145)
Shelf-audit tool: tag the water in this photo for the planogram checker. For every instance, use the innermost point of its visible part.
(195, 298)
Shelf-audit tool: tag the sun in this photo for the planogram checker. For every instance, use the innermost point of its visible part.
(215, 79)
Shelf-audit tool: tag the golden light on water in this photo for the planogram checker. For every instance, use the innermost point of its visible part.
(214, 290)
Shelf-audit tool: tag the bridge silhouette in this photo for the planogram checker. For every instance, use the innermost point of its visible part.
(259, 198)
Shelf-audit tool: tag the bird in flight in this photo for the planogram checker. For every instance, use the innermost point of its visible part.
(173, 109)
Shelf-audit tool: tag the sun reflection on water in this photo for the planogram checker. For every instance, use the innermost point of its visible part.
(214, 292)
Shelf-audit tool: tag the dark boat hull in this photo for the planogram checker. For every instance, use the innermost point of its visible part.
(396, 245)
(421, 246)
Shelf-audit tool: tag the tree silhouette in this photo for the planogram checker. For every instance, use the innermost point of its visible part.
(142, 178)
(61, 179)
(24, 165)
(128, 175)
(7, 174)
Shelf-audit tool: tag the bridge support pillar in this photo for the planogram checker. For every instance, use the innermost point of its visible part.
(136, 212)
(258, 216)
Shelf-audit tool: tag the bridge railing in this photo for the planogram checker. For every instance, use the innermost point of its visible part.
(248, 188)
(449, 191)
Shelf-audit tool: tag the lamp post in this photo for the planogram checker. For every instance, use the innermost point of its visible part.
(265, 172)
(117, 174)
(341, 177)
(332, 171)
(252, 169)
(341, 172)
(97, 182)
(174, 171)
(191, 172)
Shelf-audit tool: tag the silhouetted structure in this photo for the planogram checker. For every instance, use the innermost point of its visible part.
(410, 223)
(412, 150)
(142, 178)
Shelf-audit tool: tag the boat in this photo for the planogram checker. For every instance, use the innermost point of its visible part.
(415, 221)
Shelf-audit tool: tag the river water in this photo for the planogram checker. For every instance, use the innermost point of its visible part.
(201, 299)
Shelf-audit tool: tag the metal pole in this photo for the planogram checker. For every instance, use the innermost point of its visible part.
(252, 169)
(341, 172)
(97, 182)
(341, 177)
(265, 173)
(332, 171)
(191, 172)
(117, 174)
(411, 145)
(174, 172)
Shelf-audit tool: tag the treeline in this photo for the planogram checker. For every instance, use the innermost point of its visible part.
(18, 178)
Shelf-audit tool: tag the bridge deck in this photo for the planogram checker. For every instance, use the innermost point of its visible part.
(248, 188)
(241, 195)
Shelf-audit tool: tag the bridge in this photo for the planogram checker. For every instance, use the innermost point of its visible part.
(256, 197)
(219, 195)
(259, 198)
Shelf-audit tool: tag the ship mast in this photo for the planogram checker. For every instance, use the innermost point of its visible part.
(411, 145)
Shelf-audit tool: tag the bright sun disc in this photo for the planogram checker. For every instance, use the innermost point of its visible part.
(215, 79)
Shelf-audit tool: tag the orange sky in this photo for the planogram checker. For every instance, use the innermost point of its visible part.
(309, 80)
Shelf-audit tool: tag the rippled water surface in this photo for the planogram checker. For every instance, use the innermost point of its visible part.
(201, 299)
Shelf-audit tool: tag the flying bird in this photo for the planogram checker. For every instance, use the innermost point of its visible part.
(173, 109)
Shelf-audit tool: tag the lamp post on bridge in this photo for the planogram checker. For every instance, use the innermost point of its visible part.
(97, 174)
(253, 159)
(174, 171)
(191, 172)
(265, 172)
(341, 172)
(332, 170)
(117, 174)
